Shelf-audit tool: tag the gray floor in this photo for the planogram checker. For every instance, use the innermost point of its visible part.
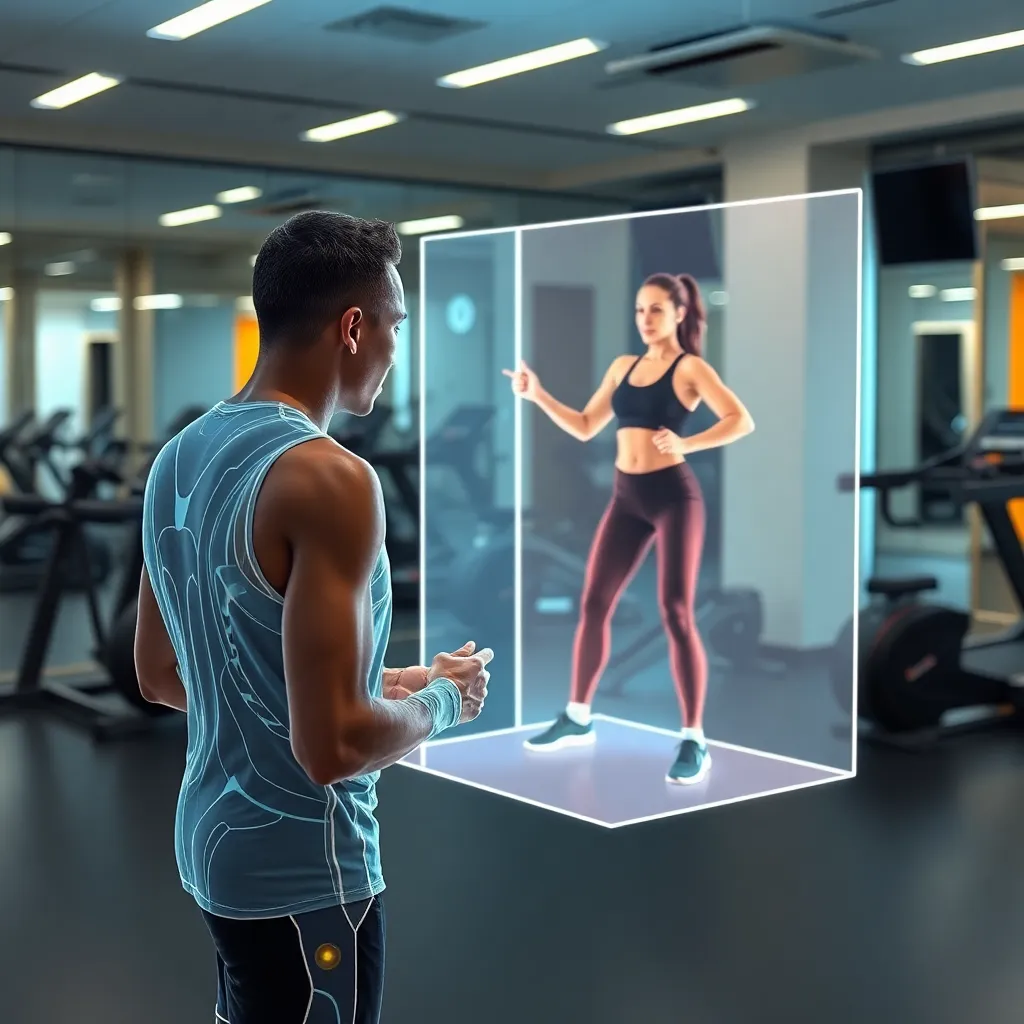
(898, 895)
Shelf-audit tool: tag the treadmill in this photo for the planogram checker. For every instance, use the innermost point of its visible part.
(988, 471)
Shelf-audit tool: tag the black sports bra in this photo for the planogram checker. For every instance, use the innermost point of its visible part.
(650, 406)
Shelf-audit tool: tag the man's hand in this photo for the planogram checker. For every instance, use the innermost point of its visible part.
(468, 671)
(403, 682)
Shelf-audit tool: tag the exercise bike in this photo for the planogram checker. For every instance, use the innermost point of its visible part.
(916, 663)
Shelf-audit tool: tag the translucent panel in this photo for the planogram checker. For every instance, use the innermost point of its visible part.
(690, 594)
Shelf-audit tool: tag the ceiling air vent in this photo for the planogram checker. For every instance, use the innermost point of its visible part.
(742, 57)
(287, 202)
(404, 25)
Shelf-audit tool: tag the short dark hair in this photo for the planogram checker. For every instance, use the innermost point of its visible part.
(314, 267)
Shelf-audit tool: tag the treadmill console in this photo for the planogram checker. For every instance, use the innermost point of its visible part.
(1001, 433)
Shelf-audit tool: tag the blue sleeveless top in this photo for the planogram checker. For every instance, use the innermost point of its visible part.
(650, 406)
(254, 836)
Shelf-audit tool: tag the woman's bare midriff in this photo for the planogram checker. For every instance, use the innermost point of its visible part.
(636, 452)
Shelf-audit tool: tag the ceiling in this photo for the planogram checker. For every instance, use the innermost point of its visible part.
(253, 84)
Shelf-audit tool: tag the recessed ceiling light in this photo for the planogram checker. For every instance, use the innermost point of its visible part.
(522, 63)
(427, 225)
(105, 304)
(244, 194)
(5, 238)
(176, 218)
(958, 294)
(969, 48)
(158, 302)
(6, 293)
(351, 126)
(922, 291)
(684, 115)
(199, 19)
(999, 212)
(1016, 263)
(76, 91)
(61, 269)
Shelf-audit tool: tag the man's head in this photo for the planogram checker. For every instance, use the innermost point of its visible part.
(326, 284)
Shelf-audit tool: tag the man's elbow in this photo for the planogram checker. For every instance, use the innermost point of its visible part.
(331, 759)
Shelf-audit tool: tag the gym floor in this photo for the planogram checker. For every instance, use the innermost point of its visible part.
(898, 895)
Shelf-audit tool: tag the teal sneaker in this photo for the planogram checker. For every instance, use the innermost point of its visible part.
(564, 732)
(692, 764)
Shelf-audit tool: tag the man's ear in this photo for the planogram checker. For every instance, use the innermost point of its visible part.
(351, 328)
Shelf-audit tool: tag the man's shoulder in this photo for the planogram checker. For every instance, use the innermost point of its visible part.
(319, 476)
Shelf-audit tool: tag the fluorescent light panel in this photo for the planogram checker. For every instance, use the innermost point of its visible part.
(352, 126)
(199, 19)
(428, 225)
(999, 212)
(60, 269)
(922, 291)
(194, 215)
(1015, 263)
(5, 238)
(252, 260)
(244, 304)
(521, 63)
(105, 304)
(76, 91)
(958, 294)
(6, 294)
(969, 48)
(684, 115)
(243, 194)
(158, 302)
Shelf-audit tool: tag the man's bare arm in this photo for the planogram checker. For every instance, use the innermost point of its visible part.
(330, 506)
(156, 663)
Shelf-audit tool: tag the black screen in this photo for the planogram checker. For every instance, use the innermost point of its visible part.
(925, 214)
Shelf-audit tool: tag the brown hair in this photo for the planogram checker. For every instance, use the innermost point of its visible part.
(682, 289)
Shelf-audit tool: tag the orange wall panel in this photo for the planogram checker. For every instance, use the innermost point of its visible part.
(247, 347)
(1015, 385)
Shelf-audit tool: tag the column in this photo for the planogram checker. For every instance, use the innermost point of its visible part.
(788, 267)
(134, 364)
(20, 349)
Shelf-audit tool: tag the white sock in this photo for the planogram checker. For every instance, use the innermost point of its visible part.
(578, 713)
(693, 734)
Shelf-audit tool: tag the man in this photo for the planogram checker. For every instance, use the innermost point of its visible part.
(264, 614)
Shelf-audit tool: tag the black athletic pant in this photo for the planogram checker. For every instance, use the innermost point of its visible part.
(323, 967)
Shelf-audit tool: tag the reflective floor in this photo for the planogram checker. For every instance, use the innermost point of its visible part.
(620, 779)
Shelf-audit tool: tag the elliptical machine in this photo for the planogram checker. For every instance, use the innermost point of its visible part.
(915, 661)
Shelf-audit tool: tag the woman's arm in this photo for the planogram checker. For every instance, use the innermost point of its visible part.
(734, 421)
(583, 425)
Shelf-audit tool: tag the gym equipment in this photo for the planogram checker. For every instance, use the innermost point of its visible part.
(362, 435)
(26, 543)
(916, 662)
(11, 456)
(88, 702)
(481, 561)
(84, 702)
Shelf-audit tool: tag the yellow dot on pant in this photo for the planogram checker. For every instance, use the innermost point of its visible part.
(328, 957)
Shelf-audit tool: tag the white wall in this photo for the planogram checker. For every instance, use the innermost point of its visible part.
(63, 322)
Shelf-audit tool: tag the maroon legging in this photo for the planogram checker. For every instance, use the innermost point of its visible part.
(666, 507)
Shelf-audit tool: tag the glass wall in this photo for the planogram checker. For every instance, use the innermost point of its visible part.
(71, 220)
